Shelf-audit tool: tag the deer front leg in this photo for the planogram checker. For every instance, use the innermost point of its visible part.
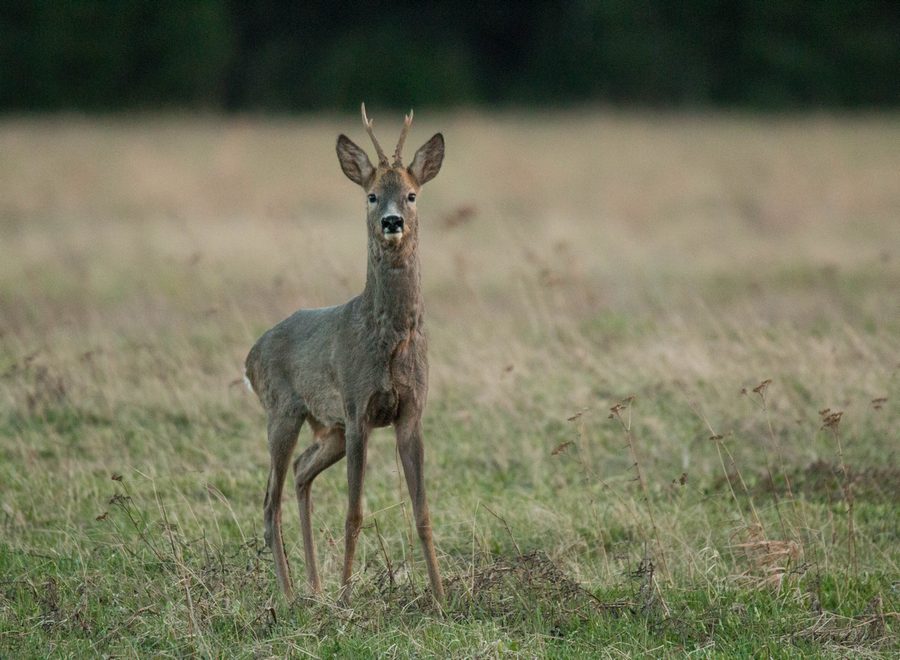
(412, 455)
(356, 445)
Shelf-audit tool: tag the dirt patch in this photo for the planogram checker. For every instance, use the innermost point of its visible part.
(822, 480)
(494, 588)
(844, 636)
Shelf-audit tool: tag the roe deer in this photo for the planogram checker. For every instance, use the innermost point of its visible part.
(353, 367)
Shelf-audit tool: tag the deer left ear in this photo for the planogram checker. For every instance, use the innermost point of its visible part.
(428, 159)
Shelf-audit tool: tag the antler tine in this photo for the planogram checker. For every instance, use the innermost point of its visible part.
(369, 124)
(407, 121)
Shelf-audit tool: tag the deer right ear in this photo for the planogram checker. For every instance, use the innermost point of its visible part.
(354, 161)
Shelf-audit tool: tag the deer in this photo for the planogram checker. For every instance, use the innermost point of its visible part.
(350, 368)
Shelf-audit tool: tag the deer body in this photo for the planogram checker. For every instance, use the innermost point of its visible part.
(353, 367)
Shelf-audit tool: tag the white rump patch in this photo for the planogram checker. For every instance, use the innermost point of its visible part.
(248, 384)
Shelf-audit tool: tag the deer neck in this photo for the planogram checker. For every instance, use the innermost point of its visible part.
(393, 293)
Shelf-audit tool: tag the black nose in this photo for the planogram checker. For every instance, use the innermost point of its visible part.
(391, 224)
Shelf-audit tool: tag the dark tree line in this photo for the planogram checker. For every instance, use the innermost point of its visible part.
(296, 55)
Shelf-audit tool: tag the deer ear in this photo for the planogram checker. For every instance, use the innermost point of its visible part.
(427, 162)
(354, 161)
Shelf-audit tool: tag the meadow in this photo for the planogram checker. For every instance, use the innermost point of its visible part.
(665, 387)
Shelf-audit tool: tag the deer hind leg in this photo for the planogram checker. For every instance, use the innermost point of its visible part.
(283, 431)
(327, 450)
(412, 456)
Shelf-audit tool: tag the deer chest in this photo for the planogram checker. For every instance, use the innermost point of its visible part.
(382, 408)
(405, 376)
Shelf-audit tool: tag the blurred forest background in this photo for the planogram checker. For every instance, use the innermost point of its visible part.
(284, 55)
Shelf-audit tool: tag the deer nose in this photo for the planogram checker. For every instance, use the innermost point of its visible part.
(391, 224)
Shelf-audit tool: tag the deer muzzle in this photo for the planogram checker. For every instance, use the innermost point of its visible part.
(392, 227)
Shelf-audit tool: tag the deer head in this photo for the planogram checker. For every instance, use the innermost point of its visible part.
(391, 189)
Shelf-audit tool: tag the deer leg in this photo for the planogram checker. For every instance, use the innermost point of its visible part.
(327, 450)
(283, 431)
(412, 456)
(357, 441)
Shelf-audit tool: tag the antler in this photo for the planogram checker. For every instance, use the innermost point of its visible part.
(382, 158)
(407, 121)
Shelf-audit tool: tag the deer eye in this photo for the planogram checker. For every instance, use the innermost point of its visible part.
(372, 198)
(411, 197)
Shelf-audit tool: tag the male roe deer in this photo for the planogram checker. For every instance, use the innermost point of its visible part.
(353, 367)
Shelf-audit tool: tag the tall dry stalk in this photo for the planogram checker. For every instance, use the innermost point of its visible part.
(625, 423)
(768, 561)
(831, 420)
(761, 390)
(735, 473)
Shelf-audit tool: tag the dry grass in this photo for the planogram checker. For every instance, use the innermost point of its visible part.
(569, 262)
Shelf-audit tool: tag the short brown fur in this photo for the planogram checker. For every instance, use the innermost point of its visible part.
(353, 367)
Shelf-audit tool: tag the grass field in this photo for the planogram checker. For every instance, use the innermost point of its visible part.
(737, 276)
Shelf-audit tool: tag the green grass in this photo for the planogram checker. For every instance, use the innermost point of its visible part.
(680, 260)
